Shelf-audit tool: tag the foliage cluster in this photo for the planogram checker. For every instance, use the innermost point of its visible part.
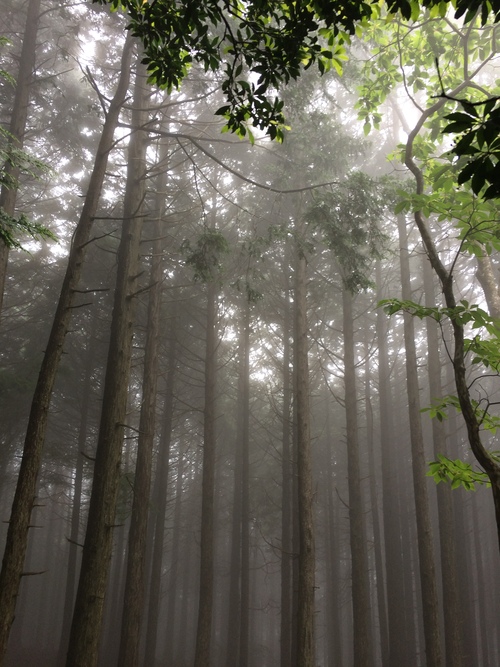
(348, 218)
(275, 40)
(13, 162)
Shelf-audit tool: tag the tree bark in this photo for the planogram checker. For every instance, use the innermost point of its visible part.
(89, 604)
(25, 494)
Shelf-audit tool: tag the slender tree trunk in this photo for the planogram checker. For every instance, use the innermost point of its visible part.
(333, 579)
(239, 602)
(424, 528)
(204, 630)
(461, 531)
(89, 605)
(306, 564)
(374, 502)
(489, 282)
(234, 606)
(160, 504)
(173, 583)
(362, 623)
(244, 437)
(286, 486)
(17, 129)
(453, 621)
(447, 280)
(133, 605)
(72, 569)
(390, 498)
(481, 585)
(17, 535)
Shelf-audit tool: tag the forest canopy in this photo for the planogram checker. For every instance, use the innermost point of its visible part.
(274, 40)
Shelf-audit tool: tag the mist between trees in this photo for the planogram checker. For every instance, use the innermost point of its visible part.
(230, 383)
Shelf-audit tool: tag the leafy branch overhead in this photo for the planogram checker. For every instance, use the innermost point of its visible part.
(274, 40)
(478, 127)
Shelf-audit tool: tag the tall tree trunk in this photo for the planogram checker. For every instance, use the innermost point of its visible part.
(374, 502)
(17, 535)
(89, 605)
(447, 280)
(286, 484)
(489, 282)
(461, 531)
(173, 583)
(481, 585)
(234, 606)
(160, 506)
(72, 569)
(453, 621)
(17, 129)
(239, 602)
(333, 579)
(244, 437)
(424, 529)
(306, 560)
(133, 604)
(390, 498)
(362, 623)
(204, 629)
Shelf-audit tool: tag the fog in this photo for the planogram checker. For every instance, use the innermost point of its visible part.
(217, 440)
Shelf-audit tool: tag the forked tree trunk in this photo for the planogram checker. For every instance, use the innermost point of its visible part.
(17, 129)
(427, 566)
(306, 559)
(362, 625)
(17, 535)
(89, 604)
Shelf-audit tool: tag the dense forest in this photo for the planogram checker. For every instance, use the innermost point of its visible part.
(249, 339)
